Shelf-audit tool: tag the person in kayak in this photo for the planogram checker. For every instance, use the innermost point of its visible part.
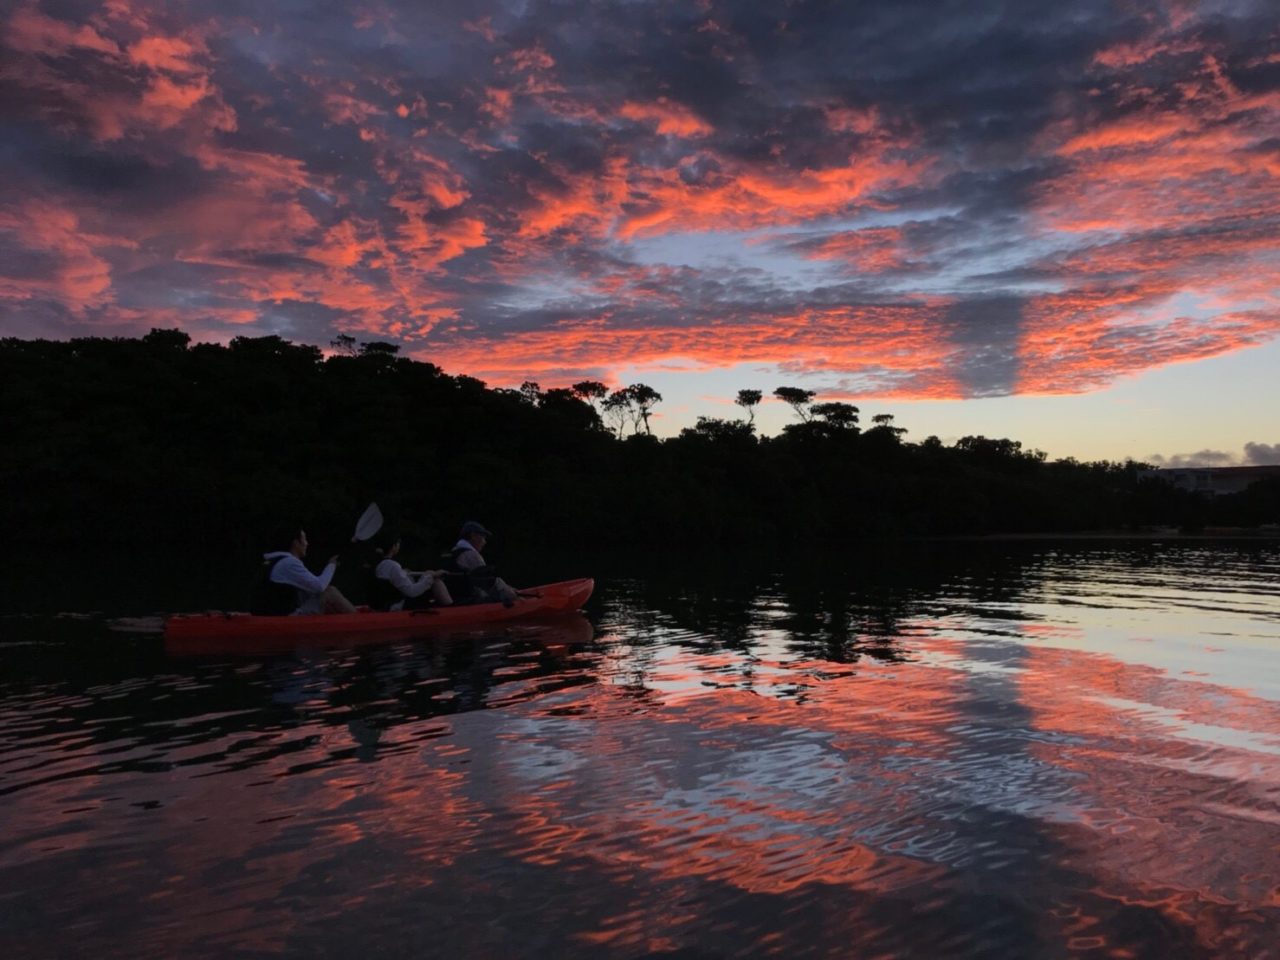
(394, 588)
(478, 581)
(287, 587)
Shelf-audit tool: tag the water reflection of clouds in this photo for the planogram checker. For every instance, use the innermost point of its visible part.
(1039, 782)
(1176, 722)
(749, 796)
(1032, 729)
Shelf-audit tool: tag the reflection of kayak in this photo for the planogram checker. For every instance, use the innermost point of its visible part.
(553, 631)
(227, 632)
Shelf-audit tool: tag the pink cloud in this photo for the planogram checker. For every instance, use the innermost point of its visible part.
(77, 275)
(670, 119)
(32, 32)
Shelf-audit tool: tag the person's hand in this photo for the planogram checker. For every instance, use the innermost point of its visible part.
(334, 560)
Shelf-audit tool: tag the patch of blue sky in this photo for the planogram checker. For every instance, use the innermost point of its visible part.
(973, 254)
(550, 291)
(719, 251)
(1192, 304)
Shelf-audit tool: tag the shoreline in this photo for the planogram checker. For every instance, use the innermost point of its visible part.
(1218, 533)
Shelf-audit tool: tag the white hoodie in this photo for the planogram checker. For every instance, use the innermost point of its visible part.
(291, 572)
(410, 586)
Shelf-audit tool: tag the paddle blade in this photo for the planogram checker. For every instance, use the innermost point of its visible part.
(370, 522)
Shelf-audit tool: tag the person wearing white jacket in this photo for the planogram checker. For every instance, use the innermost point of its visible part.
(288, 587)
(484, 586)
(394, 588)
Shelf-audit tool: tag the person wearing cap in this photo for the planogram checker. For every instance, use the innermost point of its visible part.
(478, 578)
(287, 587)
(394, 588)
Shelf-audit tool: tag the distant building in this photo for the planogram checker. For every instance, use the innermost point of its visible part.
(1216, 481)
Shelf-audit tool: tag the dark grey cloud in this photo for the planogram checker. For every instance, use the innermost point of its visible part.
(1254, 455)
(302, 321)
(986, 331)
(1262, 454)
(20, 262)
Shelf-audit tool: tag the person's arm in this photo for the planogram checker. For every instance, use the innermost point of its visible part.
(403, 582)
(292, 572)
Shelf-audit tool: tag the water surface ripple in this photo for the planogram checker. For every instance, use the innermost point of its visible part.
(1029, 750)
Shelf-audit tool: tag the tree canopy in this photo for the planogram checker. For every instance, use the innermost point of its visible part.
(157, 440)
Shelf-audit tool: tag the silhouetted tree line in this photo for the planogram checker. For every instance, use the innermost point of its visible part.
(160, 441)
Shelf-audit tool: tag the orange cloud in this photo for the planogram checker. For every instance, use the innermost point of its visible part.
(1079, 342)
(483, 26)
(530, 59)
(633, 201)
(175, 54)
(671, 119)
(843, 119)
(585, 202)
(742, 198)
(430, 243)
(1123, 56)
(498, 103)
(32, 32)
(869, 250)
(154, 84)
(1196, 161)
(77, 274)
(897, 344)
(1129, 132)
(1180, 199)
(166, 102)
(344, 108)
(1158, 191)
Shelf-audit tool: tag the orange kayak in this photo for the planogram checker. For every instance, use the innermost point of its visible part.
(227, 632)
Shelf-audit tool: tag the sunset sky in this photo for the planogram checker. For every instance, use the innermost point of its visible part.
(1053, 222)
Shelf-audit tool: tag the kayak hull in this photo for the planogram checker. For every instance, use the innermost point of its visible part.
(224, 632)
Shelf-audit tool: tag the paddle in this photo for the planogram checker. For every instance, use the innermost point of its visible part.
(370, 522)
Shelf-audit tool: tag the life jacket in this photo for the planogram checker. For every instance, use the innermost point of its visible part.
(381, 594)
(271, 599)
(468, 586)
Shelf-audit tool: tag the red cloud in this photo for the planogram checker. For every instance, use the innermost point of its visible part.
(77, 274)
(30, 31)
(670, 119)
(156, 83)
(1128, 132)
(900, 344)
(344, 108)
(588, 204)
(430, 244)
(630, 200)
(869, 250)
(1080, 342)
(1168, 200)
(175, 54)
(844, 119)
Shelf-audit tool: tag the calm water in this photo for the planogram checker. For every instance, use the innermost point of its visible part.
(964, 751)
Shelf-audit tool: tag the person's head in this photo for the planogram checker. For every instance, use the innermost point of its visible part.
(290, 539)
(389, 544)
(475, 534)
